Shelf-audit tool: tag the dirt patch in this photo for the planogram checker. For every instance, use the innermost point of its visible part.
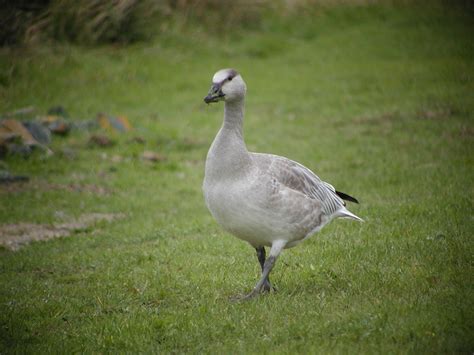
(15, 236)
(385, 118)
(466, 132)
(438, 113)
(153, 156)
(45, 186)
(378, 124)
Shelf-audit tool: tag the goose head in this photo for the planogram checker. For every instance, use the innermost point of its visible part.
(227, 85)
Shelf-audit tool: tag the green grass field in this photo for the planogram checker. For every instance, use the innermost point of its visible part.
(376, 100)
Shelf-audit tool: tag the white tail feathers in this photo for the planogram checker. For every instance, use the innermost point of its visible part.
(344, 213)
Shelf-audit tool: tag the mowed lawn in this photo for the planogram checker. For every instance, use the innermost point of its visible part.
(376, 100)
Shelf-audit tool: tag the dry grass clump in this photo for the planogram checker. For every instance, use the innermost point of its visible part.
(112, 21)
(95, 21)
(109, 21)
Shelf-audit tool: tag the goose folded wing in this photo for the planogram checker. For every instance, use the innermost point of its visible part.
(301, 179)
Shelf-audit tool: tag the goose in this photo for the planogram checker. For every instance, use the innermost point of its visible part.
(266, 200)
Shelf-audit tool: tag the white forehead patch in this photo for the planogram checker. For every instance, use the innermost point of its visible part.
(221, 75)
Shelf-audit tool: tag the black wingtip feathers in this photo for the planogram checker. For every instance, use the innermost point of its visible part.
(346, 197)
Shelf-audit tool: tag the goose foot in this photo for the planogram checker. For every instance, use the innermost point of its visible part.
(253, 294)
(267, 287)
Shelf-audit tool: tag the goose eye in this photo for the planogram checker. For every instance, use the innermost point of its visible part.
(229, 78)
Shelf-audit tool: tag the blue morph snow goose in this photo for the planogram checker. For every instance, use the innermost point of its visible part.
(264, 199)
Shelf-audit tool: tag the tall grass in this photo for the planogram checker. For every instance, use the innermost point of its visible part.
(111, 21)
(94, 21)
(98, 21)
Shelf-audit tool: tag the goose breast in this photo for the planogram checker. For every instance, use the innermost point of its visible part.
(259, 209)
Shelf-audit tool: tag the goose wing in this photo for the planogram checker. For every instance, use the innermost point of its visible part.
(297, 177)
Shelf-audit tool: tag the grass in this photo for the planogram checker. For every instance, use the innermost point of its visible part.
(376, 99)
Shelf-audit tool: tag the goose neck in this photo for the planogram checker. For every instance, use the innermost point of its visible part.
(234, 116)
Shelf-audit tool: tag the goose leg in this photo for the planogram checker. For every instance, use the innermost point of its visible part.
(261, 255)
(275, 251)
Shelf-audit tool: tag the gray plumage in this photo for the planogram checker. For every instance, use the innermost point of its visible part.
(264, 199)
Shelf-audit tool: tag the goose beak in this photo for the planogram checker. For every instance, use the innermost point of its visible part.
(215, 94)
